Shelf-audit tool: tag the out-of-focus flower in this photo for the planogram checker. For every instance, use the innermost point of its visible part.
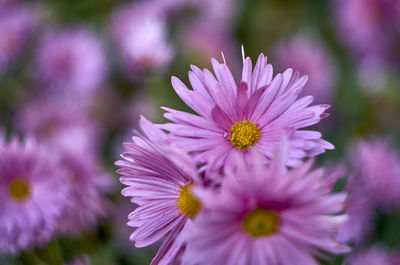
(372, 256)
(219, 13)
(308, 55)
(70, 61)
(266, 215)
(204, 40)
(360, 221)
(86, 198)
(251, 115)
(140, 33)
(376, 167)
(369, 28)
(16, 25)
(58, 121)
(159, 179)
(33, 195)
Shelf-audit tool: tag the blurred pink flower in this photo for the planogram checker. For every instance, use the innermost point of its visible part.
(70, 61)
(308, 55)
(87, 196)
(58, 121)
(159, 179)
(370, 29)
(266, 215)
(16, 26)
(360, 221)
(140, 34)
(33, 195)
(254, 114)
(372, 256)
(376, 169)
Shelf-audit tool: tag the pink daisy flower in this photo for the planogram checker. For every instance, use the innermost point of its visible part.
(84, 174)
(266, 215)
(234, 118)
(159, 180)
(17, 23)
(372, 256)
(71, 61)
(33, 195)
(308, 55)
(140, 34)
(376, 167)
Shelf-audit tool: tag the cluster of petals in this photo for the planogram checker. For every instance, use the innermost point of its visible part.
(308, 215)
(268, 105)
(155, 172)
(229, 185)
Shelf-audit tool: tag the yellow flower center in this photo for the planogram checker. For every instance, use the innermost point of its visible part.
(244, 134)
(187, 204)
(19, 189)
(260, 222)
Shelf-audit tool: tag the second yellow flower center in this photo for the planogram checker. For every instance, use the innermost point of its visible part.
(260, 222)
(187, 204)
(244, 134)
(19, 189)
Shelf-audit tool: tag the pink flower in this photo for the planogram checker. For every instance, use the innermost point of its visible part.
(374, 29)
(376, 167)
(87, 195)
(372, 256)
(266, 215)
(308, 55)
(159, 179)
(234, 118)
(360, 222)
(71, 61)
(16, 25)
(33, 195)
(140, 34)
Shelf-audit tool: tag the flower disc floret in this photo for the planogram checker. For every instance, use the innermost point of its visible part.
(19, 189)
(260, 222)
(244, 134)
(187, 204)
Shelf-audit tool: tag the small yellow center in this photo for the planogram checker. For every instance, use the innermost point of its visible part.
(19, 189)
(260, 222)
(244, 134)
(187, 204)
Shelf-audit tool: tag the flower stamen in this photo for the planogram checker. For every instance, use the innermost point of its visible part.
(260, 222)
(19, 189)
(244, 134)
(187, 204)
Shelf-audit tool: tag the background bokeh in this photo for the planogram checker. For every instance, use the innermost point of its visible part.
(81, 73)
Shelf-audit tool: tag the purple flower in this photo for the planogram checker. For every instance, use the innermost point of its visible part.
(266, 215)
(86, 198)
(159, 179)
(308, 55)
(376, 170)
(16, 25)
(360, 222)
(58, 121)
(140, 34)
(251, 115)
(33, 195)
(71, 61)
(374, 29)
(372, 256)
